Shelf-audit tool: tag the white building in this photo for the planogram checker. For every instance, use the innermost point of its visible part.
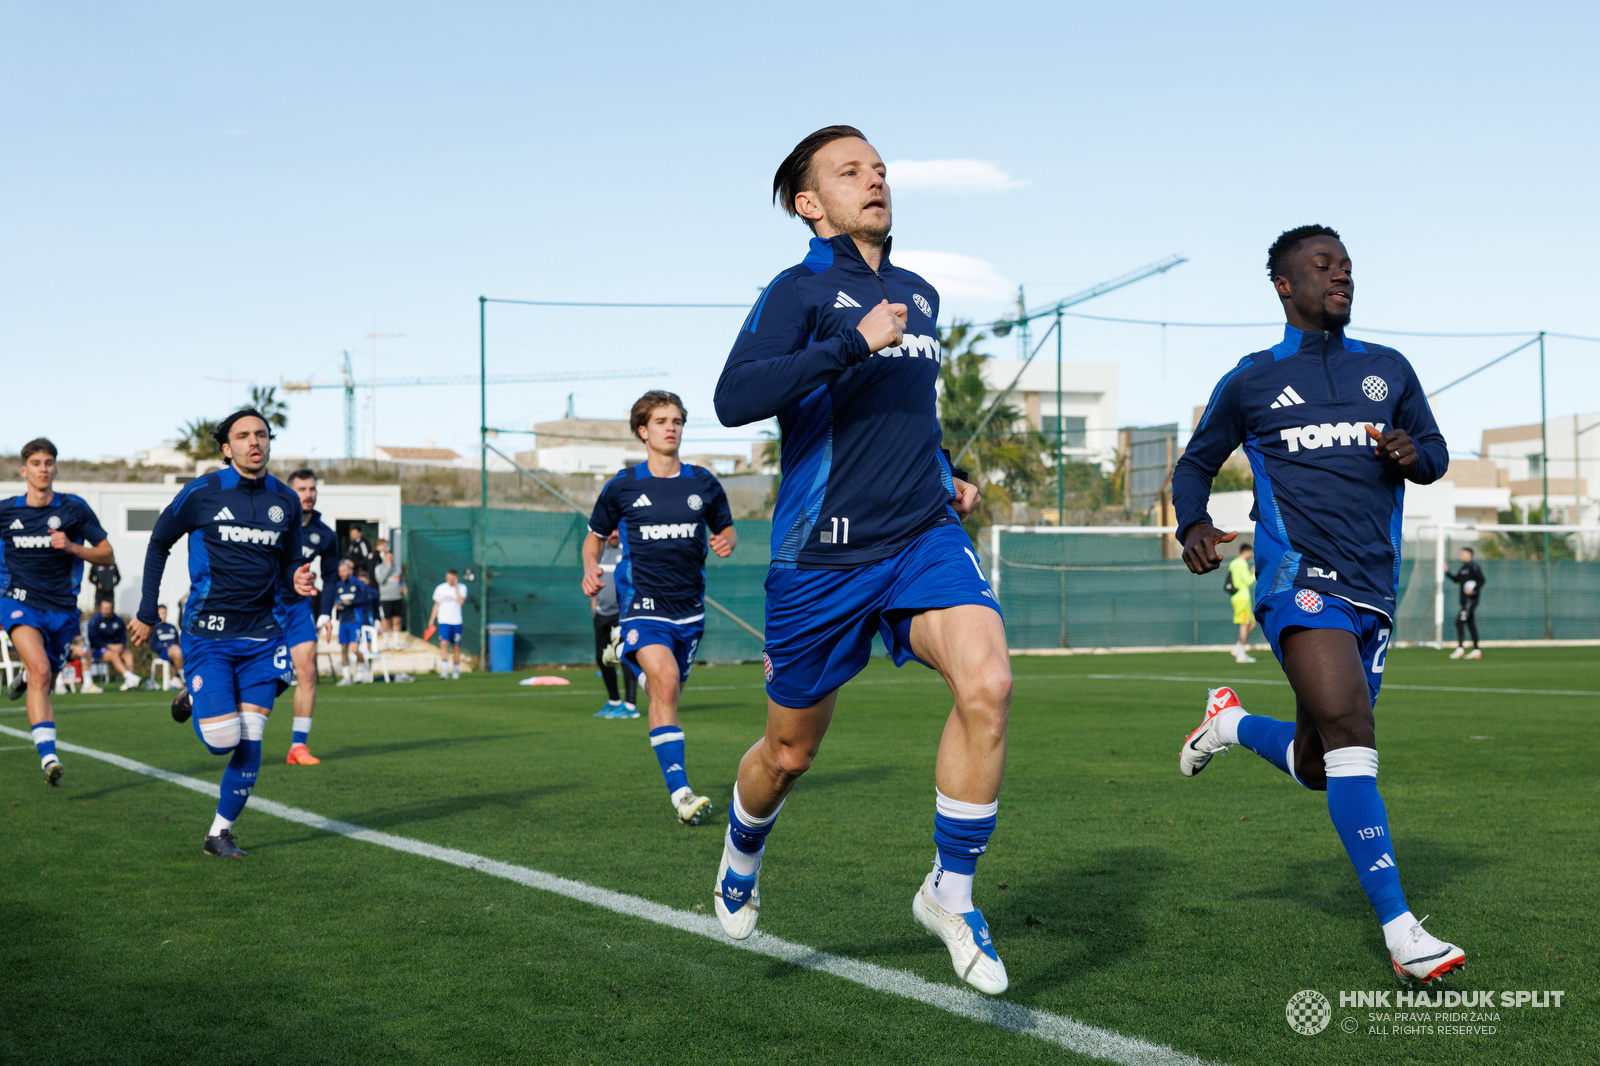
(128, 511)
(1088, 407)
(583, 446)
(1572, 461)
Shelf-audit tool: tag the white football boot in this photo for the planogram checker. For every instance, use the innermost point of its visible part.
(1459, 653)
(131, 682)
(738, 899)
(1475, 653)
(692, 809)
(1423, 957)
(967, 938)
(1200, 745)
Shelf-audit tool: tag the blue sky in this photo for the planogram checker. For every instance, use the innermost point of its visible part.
(213, 191)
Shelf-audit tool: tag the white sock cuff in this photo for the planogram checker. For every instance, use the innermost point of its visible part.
(252, 724)
(1352, 762)
(43, 731)
(658, 739)
(1228, 725)
(966, 812)
(302, 725)
(749, 819)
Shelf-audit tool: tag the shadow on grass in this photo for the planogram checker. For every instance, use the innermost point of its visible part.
(362, 751)
(861, 775)
(433, 809)
(1328, 884)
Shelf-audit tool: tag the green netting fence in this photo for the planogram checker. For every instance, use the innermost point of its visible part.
(525, 566)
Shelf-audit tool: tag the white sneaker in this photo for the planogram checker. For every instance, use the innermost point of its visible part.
(738, 899)
(1459, 653)
(1475, 653)
(342, 682)
(130, 682)
(91, 687)
(1200, 745)
(966, 936)
(1243, 657)
(1424, 957)
(692, 809)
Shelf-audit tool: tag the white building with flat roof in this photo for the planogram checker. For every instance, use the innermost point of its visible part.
(1086, 414)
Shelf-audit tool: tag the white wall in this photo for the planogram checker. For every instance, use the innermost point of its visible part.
(112, 500)
(1088, 391)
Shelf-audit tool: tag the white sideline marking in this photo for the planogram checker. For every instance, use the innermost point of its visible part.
(1014, 1018)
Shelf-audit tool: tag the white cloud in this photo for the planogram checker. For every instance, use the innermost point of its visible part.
(950, 175)
(957, 277)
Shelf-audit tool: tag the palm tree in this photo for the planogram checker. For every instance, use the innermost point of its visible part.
(1005, 462)
(197, 439)
(265, 399)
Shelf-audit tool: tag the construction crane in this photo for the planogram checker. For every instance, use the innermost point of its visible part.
(349, 384)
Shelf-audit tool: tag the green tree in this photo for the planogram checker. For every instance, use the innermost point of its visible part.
(197, 440)
(1006, 460)
(265, 399)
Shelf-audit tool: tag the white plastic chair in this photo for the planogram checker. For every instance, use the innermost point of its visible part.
(164, 668)
(12, 667)
(369, 648)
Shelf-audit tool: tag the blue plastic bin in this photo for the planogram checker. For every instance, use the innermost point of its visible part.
(502, 646)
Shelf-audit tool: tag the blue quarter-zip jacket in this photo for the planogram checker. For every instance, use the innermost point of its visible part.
(31, 570)
(244, 547)
(1327, 510)
(317, 541)
(863, 475)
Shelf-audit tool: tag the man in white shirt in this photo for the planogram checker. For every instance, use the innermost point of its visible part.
(447, 601)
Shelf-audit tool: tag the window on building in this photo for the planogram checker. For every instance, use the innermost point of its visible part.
(1535, 466)
(142, 519)
(1074, 430)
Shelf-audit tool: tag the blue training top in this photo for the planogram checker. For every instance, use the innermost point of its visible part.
(1327, 509)
(244, 547)
(317, 541)
(664, 522)
(107, 629)
(863, 475)
(33, 572)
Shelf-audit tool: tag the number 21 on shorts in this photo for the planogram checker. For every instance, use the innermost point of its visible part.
(1383, 650)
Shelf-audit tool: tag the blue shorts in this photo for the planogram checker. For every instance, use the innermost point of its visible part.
(681, 640)
(57, 627)
(299, 627)
(820, 622)
(97, 653)
(164, 652)
(349, 632)
(449, 634)
(225, 673)
(1306, 609)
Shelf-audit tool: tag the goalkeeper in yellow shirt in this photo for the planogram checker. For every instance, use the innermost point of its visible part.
(1240, 588)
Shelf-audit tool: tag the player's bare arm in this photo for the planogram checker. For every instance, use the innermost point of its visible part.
(94, 554)
(593, 576)
(722, 543)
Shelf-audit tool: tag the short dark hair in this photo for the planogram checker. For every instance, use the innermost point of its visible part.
(794, 173)
(1289, 240)
(1470, 552)
(39, 444)
(305, 473)
(226, 425)
(452, 570)
(1245, 547)
(644, 405)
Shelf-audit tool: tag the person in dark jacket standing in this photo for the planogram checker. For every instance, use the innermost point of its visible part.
(1333, 428)
(359, 552)
(1470, 578)
(105, 579)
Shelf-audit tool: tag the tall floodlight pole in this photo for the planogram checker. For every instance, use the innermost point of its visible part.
(1544, 470)
(1061, 483)
(483, 485)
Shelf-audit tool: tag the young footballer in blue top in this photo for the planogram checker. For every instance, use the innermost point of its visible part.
(667, 513)
(1333, 428)
(45, 538)
(346, 603)
(164, 645)
(108, 638)
(244, 551)
(319, 546)
(843, 349)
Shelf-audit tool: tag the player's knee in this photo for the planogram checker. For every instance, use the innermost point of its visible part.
(791, 760)
(986, 690)
(220, 735)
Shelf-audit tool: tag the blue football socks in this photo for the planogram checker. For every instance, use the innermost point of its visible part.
(44, 738)
(1268, 738)
(239, 779)
(302, 730)
(1363, 825)
(961, 834)
(747, 836)
(667, 741)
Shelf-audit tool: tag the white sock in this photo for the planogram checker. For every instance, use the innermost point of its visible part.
(740, 862)
(347, 671)
(1396, 929)
(682, 794)
(630, 706)
(951, 891)
(302, 725)
(218, 824)
(1228, 725)
(613, 703)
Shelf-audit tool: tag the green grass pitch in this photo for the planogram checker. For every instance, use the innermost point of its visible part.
(1184, 912)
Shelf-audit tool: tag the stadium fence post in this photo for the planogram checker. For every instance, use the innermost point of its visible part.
(1544, 472)
(994, 560)
(1438, 585)
(483, 484)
